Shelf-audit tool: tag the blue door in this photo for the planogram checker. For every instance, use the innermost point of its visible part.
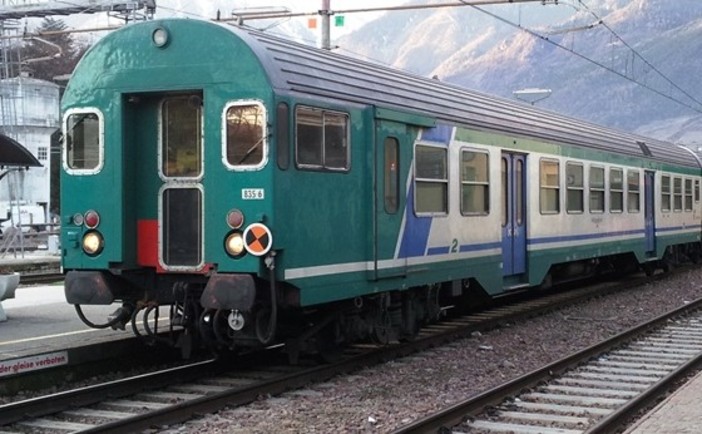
(513, 214)
(649, 211)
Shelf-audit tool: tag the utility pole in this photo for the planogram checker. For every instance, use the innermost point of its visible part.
(325, 13)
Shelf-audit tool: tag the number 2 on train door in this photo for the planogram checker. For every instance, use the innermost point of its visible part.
(513, 214)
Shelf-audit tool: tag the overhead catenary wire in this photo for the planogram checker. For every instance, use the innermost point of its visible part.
(587, 59)
(639, 55)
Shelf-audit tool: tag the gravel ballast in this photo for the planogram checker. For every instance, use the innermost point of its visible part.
(382, 398)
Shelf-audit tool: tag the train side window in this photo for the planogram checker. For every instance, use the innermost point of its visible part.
(83, 149)
(245, 127)
(431, 180)
(475, 183)
(633, 181)
(616, 190)
(688, 195)
(665, 193)
(392, 174)
(697, 190)
(321, 139)
(677, 194)
(283, 135)
(597, 189)
(550, 187)
(575, 192)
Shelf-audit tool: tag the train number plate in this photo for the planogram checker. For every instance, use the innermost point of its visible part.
(253, 194)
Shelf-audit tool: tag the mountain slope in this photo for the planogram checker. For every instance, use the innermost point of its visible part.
(467, 47)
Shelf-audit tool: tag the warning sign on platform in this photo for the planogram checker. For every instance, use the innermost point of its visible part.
(33, 363)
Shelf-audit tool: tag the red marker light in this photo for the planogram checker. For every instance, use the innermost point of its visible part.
(235, 219)
(92, 219)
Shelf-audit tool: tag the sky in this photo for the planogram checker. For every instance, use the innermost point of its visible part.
(208, 9)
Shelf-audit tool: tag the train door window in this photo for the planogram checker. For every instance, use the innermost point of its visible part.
(616, 190)
(597, 189)
(283, 135)
(519, 173)
(665, 193)
(392, 174)
(688, 195)
(321, 139)
(633, 182)
(677, 194)
(83, 149)
(574, 188)
(181, 137)
(475, 186)
(244, 135)
(550, 187)
(431, 180)
(697, 190)
(505, 192)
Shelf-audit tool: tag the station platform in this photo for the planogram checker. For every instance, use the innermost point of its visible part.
(39, 320)
(43, 339)
(680, 413)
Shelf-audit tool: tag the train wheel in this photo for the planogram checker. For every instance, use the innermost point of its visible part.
(382, 328)
(329, 343)
(411, 320)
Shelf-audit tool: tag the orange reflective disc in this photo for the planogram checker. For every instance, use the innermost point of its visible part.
(258, 239)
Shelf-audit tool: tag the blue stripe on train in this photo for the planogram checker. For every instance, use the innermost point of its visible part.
(440, 134)
(416, 234)
(442, 250)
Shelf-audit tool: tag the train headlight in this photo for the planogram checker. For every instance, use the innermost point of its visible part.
(234, 244)
(93, 243)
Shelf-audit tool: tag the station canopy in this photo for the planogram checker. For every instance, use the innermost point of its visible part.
(12, 153)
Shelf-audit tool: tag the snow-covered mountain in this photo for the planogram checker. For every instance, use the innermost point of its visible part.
(466, 46)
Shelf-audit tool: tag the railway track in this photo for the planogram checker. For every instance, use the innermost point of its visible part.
(594, 391)
(175, 395)
(35, 279)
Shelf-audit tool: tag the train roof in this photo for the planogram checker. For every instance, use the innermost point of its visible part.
(298, 68)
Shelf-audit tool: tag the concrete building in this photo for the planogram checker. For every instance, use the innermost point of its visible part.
(29, 113)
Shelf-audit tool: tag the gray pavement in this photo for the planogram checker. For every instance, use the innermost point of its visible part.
(39, 320)
(680, 413)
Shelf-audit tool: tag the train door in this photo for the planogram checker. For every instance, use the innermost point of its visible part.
(650, 212)
(390, 138)
(166, 148)
(181, 169)
(513, 214)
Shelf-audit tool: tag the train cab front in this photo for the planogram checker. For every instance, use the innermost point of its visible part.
(167, 191)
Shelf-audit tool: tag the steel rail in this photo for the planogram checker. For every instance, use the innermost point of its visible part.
(84, 396)
(433, 335)
(33, 279)
(456, 413)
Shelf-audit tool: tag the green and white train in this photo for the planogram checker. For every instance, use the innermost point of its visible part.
(271, 192)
